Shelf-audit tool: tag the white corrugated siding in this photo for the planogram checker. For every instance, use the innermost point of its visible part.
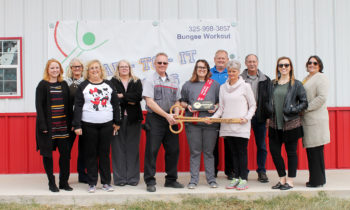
(269, 28)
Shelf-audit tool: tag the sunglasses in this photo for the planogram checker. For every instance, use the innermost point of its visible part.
(283, 64)
(309, 63)
(164, 63)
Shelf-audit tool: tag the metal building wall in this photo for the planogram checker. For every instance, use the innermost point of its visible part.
(270, 28)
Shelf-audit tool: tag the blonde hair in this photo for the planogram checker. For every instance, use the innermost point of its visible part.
(291, 73)
(88, 65)
(69, 73)
(46, 75)
(131, 74)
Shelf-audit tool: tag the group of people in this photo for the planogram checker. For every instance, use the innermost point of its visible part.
(107, 114)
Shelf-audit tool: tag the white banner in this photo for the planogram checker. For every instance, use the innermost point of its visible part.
(185, 41)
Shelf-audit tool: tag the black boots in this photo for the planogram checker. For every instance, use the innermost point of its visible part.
(65, 187)
(52, 184)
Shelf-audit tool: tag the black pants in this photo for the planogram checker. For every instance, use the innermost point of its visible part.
(97, 145)
(64, 151)
(228, 162)
(277, 138)
(237, 147)
(260, 134)
(81, 166)
(158, 133)
(216, 156)
(125, 153)
(315, 157)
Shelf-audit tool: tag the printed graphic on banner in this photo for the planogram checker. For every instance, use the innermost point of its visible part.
(185, 41)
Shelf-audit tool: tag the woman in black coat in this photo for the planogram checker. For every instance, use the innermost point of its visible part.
(53, 122)
(287, 101)
(125, 145)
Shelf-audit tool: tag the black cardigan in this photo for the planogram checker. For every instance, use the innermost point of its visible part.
(43, 118)
(133, 94)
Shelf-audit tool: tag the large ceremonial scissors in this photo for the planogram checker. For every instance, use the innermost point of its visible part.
(180, 119)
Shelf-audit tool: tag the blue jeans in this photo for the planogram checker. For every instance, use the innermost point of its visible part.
(260, 134)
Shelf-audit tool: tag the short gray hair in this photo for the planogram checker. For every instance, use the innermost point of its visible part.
(161, 53)
(246, 57)
(234, 64)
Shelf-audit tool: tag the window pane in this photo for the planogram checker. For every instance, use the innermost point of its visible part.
(1, 74)
(14, 60)
(10, 74)
(8, 58)
(10, 86)
(0, 46)
(1, 86)
(10, 46)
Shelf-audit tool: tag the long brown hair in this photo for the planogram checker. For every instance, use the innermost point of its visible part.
(291, 73)
(194, 77)
(46, 76)
(319, 62)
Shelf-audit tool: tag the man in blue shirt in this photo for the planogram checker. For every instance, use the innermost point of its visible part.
(219, 74)
(219, 71)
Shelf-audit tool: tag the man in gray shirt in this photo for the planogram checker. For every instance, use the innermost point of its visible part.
(260, 85)
(161, 91)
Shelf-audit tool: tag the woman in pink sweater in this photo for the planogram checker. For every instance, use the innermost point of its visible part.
(236, 100)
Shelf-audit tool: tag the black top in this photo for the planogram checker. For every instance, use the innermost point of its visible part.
(294, 102)
(44, 115)
(132, 94)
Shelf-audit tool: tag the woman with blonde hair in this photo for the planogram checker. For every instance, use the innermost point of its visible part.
(53, 122)
(97, 118)
(287, 101)
(125, 145)
(74, 77)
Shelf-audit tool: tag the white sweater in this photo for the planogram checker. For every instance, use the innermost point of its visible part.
(236, 101)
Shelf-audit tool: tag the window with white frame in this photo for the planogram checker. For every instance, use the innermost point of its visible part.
(11, 67)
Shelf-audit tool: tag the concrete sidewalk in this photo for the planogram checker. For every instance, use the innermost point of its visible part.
(26, 188)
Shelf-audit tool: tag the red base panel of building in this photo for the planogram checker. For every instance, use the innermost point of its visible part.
(18, 148)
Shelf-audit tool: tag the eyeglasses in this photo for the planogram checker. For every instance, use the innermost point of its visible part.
(283, 64)
(123, 67)
(309, 63)
(76, 67)
(202, 67)
(164, 63)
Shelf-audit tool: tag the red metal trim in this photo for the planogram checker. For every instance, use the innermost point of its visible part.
(343, 108)
(21, 66)
(19, 114)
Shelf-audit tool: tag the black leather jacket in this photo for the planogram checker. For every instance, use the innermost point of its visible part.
(261, 112)
(294, 102)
